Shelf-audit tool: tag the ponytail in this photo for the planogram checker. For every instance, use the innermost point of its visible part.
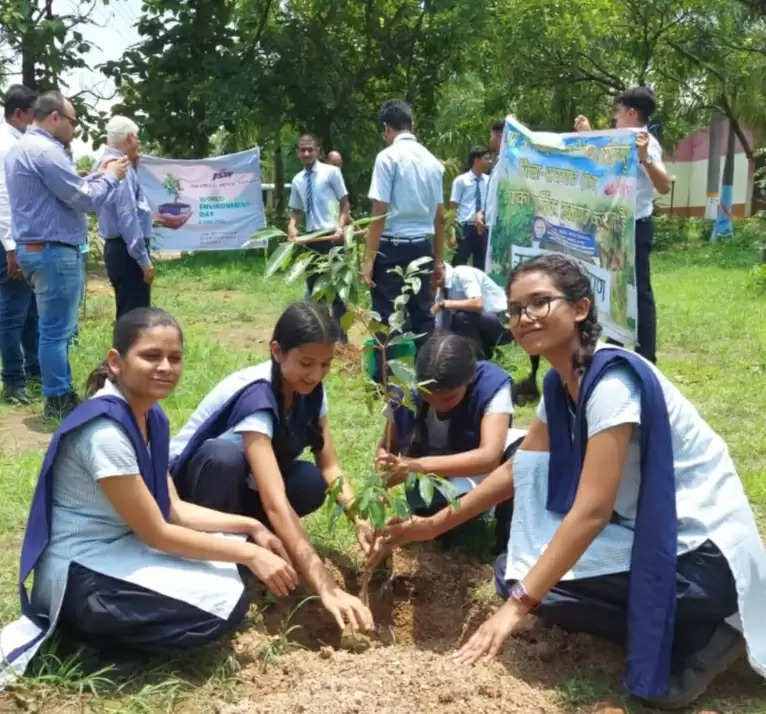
(97, 379)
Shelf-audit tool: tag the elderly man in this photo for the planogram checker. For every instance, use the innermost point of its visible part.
(49, 202)
(125, 223)
(407, 189)
(334, 158)
(18, 312)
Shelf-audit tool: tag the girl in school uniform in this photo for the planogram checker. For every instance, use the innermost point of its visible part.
(119, 560)
(630, 521)
(460, 428)
(238, 452)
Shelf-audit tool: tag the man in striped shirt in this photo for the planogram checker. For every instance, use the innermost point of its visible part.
(49, 202)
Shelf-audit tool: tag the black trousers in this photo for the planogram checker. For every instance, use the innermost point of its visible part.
(217, 476)
(109, 613)
(705, 596)
(647, 313)
(471, 245)
(126, 277)
(484, 328)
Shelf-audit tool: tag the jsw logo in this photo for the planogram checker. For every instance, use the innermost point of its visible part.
(222, 174)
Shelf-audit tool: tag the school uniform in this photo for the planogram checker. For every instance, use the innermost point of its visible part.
(469, 192)
(681, 554)
(208, 461)
(485, 328)
(408, 178)
(93, 576)
(317, 192)
(489, 392)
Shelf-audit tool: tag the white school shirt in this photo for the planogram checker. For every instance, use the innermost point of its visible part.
(408, 177)
(261, 421)
(9, 135)
(328, 188)
(462, 282)
(644, 185)
(464, 195)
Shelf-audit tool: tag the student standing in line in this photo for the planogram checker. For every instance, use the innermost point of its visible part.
(460, 428)
(629, 521)
(239, 450)
(469, 193)
(119, 560)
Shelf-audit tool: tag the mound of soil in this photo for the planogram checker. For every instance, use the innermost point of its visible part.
(431, 603)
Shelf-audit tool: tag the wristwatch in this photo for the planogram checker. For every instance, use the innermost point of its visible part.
(519, 592)
(648, 161)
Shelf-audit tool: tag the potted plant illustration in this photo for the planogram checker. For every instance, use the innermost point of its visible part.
(175, 213)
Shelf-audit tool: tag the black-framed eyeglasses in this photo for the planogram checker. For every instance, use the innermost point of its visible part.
(72, 121)
(537, 308)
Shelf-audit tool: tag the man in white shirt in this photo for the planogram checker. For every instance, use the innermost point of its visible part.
(319, 194)
(18, 309)
(632, 111)
(469, 192)
(406, 187)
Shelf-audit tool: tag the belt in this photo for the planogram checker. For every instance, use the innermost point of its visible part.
(393, 240)
(645, 218)
(37, 246)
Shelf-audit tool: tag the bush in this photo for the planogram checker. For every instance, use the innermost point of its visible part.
(756, 279)
(680, 232)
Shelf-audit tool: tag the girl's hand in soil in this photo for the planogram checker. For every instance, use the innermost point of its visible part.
(266, 539)
(365, 536)
(347, 610)
(412, 530)
(274, 572)
(489, 639)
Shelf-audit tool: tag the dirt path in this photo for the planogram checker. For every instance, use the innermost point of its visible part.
(22, 428)
(433, 604)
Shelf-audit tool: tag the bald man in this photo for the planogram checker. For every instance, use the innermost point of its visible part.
(335, 159)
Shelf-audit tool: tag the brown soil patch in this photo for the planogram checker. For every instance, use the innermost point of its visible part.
(430, 605)
(22, 428)
(244, 336)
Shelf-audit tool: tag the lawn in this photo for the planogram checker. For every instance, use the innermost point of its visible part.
(712, 330)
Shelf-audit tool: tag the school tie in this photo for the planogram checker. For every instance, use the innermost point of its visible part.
(477, 198)
(309, 193)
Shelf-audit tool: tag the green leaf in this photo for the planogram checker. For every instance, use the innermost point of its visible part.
(403, 371)
(279, 260)
(426, 489)
(397, 270)
(377, 515)
(396, 321)
(298, 268)
(401, 509)
(409, 482)
(403, 337)
(419, 264)
(414, 284)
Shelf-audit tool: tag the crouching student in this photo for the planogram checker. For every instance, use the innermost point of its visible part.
(238, 452)
(119, 560)
(630, 521)
(460, 428)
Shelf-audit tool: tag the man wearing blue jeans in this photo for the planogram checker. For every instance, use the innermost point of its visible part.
(49, 202)
(18, 312)
(407, 188)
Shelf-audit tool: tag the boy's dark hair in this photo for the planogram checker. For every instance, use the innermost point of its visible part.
(308, 137)
(498, 125)
(17, 96)
(476, 152)
(639, 98)
(397, 114)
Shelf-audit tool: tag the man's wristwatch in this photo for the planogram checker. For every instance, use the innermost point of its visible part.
(519, 592)
(648, 161)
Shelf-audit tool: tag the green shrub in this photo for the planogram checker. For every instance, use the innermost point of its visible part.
(756, 279)
(679, 232)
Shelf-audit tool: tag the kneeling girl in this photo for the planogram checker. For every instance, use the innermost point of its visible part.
(238, 452)
(120, 561)
(460, 428)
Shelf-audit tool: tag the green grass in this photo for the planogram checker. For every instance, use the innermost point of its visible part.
(712, 330)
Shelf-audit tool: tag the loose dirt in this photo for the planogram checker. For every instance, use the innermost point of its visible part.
(22, 428)
(433, 602)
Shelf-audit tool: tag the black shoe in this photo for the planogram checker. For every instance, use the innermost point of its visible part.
(16, 395)
(726, 646)
(56, 408)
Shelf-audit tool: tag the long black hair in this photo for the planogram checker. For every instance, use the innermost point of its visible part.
(301, 323)
(445, 361)
(575, 285)
(126, 332)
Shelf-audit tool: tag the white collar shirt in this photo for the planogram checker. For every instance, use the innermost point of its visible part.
(328, 188)
(463, 282)
(409, 179)
(9, 135)
(464, 195)
(644, 185)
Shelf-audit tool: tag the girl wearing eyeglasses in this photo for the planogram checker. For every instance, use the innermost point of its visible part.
(630, 521)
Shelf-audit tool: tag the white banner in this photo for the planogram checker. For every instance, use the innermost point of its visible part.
(203, 204)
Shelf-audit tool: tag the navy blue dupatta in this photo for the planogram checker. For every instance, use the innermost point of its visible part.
(652, 588)
(153, 468)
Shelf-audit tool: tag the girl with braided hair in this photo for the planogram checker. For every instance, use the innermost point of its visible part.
(239, 451)
(630, 521)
